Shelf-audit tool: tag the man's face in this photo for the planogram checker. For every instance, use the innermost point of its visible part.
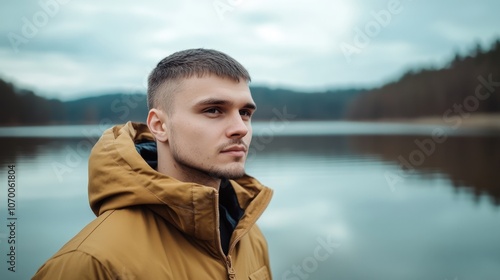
(209, 128)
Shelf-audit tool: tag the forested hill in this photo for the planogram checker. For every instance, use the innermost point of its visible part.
(22, 107)
(467, 85)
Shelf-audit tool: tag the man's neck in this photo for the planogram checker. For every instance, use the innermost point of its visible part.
(185, 174)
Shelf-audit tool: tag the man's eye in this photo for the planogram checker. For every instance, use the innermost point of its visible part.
(246, 113)
(213, 111)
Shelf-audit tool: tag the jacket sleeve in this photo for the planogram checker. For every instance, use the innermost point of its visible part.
(74, 265)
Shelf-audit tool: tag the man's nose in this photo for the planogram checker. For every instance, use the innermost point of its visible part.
(237, 128)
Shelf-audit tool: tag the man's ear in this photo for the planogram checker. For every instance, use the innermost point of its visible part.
(156, 124)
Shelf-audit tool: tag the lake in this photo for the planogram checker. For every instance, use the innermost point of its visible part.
(352, 200)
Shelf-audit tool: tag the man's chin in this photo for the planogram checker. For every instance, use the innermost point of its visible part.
(233, 172)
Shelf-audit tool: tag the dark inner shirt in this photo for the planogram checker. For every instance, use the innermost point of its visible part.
(230, 213)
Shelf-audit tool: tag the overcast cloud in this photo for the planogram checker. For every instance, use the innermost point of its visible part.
(70, 48)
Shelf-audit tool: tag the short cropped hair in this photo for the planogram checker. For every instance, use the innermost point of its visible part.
(165, 79)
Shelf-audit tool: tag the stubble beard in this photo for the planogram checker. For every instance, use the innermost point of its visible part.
(234, 170)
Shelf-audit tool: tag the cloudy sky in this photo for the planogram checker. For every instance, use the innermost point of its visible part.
(72, 48)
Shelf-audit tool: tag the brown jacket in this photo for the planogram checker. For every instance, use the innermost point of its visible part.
(151, 226)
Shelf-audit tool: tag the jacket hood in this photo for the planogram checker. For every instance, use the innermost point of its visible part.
(119, 177)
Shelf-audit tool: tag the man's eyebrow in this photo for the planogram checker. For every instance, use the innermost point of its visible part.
(217, 101)
(250, 106)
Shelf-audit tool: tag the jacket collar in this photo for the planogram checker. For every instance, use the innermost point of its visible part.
(119, 177)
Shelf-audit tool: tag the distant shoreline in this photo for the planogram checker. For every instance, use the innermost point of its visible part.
(490, 121)
(472, 121)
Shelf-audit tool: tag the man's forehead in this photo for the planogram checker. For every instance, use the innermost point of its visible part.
(215, 90)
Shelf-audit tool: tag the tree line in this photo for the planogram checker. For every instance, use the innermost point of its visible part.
(23, 107)
(468, 84)
(418, 93)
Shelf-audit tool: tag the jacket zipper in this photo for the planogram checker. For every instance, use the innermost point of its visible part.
(230, 269)
(226, 259)
(229, 262)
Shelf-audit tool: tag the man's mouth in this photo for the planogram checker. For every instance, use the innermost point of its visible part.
(235, 150)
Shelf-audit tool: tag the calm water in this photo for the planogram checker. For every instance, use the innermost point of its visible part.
(352, 201)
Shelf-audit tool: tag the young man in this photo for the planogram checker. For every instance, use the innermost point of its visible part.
(172, 197)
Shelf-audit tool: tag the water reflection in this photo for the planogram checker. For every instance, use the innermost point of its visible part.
(13, 148)
(471, 163)
(335, 186)
(329, 185)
